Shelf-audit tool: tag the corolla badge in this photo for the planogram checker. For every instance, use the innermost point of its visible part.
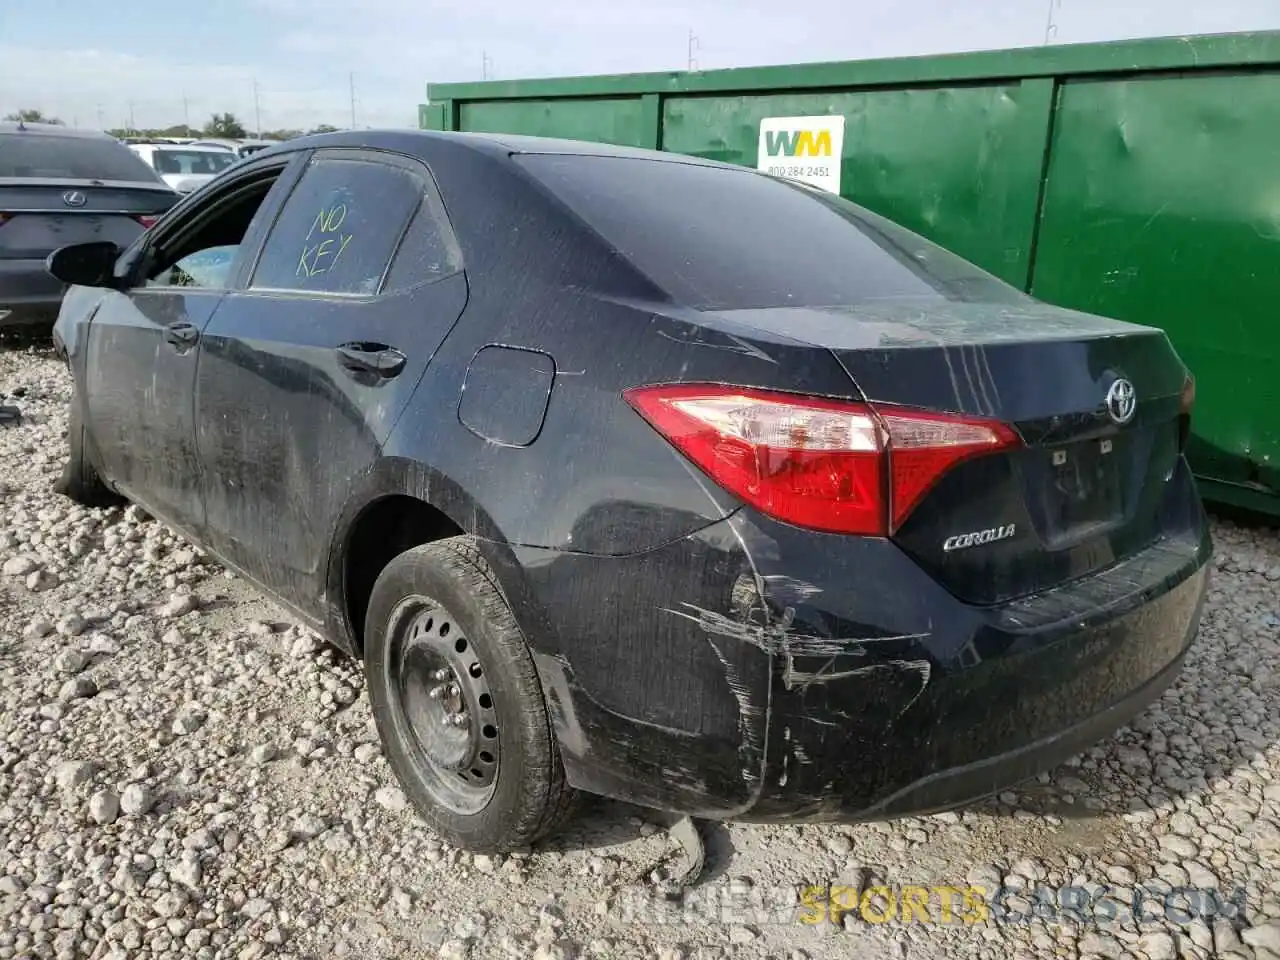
(1121, 401)
(74, 198)
(962, 541)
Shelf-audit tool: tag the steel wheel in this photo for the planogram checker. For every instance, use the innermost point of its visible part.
(444, 709)
(458, 702)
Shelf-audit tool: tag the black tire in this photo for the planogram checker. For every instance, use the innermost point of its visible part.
(519, 794)
(80, 480)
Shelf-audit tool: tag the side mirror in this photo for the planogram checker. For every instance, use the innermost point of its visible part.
(85, 264)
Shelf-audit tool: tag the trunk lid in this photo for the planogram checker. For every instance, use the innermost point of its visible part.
(39, 216)
(1084, 490)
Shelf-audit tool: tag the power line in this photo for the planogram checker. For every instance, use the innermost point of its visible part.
(1051, 28)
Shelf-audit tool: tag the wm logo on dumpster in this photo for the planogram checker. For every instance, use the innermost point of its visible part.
(807, 149)
(798, 143)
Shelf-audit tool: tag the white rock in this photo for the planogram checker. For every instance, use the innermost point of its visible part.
(366, 752)
(262, 753)
(1157, 946)
(255, 908)
(1264, 937)
(104, 806)
(137, 799)
(840, 845)
(189, 719)
(179, 604)
(71, 662)
(73, 773)
(40, 580)
(1179, 846)
(171, 904)
(391, 798)
(71, 625)
(19, 566)
(308, 825)
(77, 688)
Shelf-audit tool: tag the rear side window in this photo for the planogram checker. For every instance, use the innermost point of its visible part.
(71, 158)
(338, 229)
(429, 250)
(718, 238)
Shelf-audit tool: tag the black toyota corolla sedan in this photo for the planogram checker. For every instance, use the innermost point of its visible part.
(646, 476)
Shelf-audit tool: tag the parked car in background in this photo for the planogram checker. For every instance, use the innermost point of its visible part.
(241, 148)
(184, 167)
(61, 186)
(647, 476)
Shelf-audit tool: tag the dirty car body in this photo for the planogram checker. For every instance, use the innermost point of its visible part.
(800, 516)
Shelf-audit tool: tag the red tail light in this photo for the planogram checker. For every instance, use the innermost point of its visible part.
(829, 465)
(147, 220)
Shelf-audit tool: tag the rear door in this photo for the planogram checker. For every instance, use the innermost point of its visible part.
(304, 373)
(143, 341)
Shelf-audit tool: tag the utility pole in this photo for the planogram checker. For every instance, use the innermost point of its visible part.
(132, 127)
(484, 64)
(1051, 28)
(693, 45)
(102, 124)
(257, 110)
(351, 77)
(186, 113)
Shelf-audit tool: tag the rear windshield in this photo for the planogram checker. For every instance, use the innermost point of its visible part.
(725, 239)
(190, 162)
(74, 158)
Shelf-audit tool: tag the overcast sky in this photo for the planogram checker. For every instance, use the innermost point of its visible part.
(301, 52)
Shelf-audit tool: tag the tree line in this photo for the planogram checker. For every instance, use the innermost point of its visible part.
(223, 126)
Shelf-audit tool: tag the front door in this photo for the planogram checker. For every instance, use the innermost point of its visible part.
(143, 344)
(304, 373)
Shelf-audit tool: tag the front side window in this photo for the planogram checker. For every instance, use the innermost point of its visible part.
(206, 257)
(339, 228)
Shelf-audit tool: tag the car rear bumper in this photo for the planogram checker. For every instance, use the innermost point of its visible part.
(28, 294)
(758, 672)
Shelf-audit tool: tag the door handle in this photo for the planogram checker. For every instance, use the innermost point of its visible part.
(181, 334)
(375, 358)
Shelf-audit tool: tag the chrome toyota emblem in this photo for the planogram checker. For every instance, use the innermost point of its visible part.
(1121, 401)
(74, 198)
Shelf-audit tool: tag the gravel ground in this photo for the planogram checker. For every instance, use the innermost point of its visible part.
(185, 773)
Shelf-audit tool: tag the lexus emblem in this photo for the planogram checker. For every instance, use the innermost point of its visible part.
(74, 198)
(1121, 401)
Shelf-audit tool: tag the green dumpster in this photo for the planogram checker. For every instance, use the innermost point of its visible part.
(1140, 180)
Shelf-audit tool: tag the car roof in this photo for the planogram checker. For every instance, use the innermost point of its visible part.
(410, 141)
(51, 129)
